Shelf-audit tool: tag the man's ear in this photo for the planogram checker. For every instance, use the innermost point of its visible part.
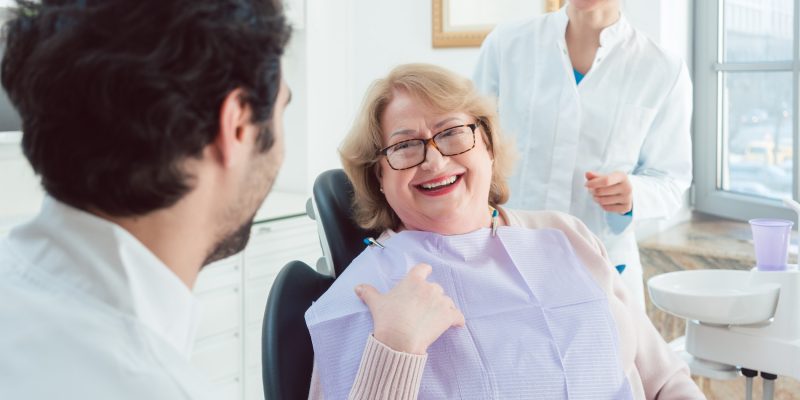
(234, 117)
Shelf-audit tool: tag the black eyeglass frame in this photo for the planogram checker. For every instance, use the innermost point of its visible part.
(426, 142)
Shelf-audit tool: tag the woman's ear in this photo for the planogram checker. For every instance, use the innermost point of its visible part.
(377, 171)
(486, 134)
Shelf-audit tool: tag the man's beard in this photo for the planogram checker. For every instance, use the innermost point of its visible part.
(263, 176)
(231, 244)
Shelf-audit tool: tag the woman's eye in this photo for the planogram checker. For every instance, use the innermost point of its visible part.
(453, 132)
(401, 146)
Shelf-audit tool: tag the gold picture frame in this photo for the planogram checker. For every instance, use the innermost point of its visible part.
(467, 35)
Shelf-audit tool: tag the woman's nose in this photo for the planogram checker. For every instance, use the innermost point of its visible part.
(433, 158)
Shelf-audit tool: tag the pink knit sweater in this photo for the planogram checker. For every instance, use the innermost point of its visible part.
(653, 370)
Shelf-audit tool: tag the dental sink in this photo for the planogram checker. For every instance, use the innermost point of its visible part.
(721, 297)
(747, 319)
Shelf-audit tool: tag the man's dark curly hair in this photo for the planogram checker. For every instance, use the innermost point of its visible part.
(115, 95)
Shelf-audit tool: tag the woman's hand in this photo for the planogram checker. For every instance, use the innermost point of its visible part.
(413, 314)
(613, 192)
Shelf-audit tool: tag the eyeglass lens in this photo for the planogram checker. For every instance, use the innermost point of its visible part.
(450, 142)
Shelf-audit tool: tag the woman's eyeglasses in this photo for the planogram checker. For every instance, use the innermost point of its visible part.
(450, 142)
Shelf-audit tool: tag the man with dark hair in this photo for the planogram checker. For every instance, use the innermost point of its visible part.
(156, 129)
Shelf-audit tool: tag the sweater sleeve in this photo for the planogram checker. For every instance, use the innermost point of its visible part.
(663, 374)
(383, 374)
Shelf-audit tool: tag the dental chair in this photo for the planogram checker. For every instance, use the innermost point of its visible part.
(287, 355)
(341, 239)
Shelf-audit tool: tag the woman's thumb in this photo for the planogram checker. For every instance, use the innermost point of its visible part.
(366, 293)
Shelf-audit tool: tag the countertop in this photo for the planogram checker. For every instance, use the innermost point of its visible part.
(710, 237)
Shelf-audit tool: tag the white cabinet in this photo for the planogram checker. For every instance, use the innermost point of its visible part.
(233, 295)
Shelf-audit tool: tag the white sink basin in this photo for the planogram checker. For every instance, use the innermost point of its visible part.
(724, 297)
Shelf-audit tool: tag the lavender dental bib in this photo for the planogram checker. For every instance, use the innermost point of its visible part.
(537, 325)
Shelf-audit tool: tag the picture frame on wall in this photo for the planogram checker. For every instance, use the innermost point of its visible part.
(465, 23)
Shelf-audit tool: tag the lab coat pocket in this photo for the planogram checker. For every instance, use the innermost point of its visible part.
(627, 136)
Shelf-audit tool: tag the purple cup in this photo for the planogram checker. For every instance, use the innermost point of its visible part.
(771, 240)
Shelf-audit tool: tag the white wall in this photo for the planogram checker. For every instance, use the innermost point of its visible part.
(341, 46)
(20, 192)
(292, 176)
(388, 33)
(347, 44)
(668, 22)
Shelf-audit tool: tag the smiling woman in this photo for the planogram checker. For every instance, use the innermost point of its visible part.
(424, 102)
(428, 166)
(418, 196)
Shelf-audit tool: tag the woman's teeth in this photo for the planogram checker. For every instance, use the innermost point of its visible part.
(443, 182)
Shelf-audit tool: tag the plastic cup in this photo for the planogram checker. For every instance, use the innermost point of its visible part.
(771, 241)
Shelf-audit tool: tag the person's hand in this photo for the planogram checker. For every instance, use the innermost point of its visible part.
(613, 192)
(413, 314)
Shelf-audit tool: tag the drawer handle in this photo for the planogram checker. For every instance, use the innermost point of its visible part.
(263, 229)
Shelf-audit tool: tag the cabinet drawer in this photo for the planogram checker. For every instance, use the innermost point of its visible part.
(228, 389)
(252, 337)
(221, 311)
(222, 273)
(257, 294)
(254, 384)
(219, 358)
(271, 264)
(292, 233)
(259, 267)
(268, 245)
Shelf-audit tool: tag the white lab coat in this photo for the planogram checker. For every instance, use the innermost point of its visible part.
(631, 113)
(88, 312)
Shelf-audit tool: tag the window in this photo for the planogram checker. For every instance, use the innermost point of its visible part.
(746, 79)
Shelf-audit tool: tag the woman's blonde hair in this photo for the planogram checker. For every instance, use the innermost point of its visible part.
(445, 91)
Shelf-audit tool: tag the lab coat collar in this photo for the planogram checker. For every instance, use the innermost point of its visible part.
(614, 33)
(609, 36)
(95, 258)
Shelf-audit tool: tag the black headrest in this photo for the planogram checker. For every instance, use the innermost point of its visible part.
(333, 195)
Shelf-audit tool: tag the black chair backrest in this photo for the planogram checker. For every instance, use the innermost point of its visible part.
(287, 357)
(333, 196)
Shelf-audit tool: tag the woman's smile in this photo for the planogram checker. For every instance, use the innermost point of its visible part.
(439, 186)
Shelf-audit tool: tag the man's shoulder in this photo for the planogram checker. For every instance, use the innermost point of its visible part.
(58, 345)
(63, 353)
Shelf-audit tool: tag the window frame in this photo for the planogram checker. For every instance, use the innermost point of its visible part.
(708, 121)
